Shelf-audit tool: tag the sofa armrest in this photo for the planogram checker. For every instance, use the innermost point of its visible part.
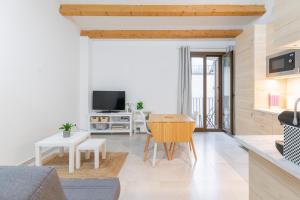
(30, 183)
(91, 189)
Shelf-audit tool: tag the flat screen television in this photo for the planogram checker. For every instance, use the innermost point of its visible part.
(109, 100)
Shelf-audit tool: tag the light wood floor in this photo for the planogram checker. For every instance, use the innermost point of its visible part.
(220, 173)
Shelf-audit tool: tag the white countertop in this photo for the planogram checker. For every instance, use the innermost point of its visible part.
(264, 145)
(271, 111)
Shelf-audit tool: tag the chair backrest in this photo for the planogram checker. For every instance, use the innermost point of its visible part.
(144, 122)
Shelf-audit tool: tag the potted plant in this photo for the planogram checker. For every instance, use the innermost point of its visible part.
(67, 129)
(140, 105)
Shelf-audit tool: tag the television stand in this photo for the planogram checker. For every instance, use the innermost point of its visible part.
(110, 122)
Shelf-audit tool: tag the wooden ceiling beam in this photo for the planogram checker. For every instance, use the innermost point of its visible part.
(159, 34)
(160, 10)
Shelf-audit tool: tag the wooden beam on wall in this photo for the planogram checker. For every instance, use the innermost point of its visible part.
(159, 34)
(160, 10)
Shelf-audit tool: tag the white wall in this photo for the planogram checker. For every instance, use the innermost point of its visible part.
(292, 92)
(84, 82)
(39, 63)
(146, 69)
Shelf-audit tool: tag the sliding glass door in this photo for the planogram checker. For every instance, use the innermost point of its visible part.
(227, 92)
(206, 91)
(198, 91)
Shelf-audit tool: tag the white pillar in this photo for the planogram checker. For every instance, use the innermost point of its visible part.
(84, 83)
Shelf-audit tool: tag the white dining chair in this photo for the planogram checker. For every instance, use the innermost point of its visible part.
(148, 133)
(149, 137)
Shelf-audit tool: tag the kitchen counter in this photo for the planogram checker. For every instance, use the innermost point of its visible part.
(270, 111)
(264, 145)
(271, 177)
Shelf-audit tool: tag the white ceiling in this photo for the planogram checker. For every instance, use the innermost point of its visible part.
(165, 22)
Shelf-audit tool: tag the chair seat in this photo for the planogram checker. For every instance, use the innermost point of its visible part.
(91, 144)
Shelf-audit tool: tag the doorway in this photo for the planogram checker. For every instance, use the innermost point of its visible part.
(211, 91)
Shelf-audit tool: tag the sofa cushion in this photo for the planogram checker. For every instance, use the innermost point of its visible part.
(91, 189)
(30, 183)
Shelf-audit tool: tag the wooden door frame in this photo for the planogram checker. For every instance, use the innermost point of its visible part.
(220, 78)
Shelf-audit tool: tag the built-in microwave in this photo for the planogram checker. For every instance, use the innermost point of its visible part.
(283, 64)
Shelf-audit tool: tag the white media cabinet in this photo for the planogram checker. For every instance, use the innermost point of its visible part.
(120, 122)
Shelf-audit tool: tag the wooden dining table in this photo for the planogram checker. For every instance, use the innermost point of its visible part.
(171, 129)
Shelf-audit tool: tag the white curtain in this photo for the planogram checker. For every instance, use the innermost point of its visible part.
(184, 102)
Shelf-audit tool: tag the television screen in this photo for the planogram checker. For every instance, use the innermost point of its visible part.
(108, 100)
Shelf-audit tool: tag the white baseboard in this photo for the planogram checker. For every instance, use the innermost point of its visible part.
(47, 153)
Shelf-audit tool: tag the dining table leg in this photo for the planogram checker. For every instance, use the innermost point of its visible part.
(154, 154)
(173, 151)
(166, 150)
(170, 148)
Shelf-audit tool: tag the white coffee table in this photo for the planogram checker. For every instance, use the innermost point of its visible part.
(59, 141)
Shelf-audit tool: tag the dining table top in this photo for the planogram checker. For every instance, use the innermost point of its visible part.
(170, 118)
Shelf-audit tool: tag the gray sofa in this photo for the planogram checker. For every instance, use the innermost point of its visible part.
(42, 183)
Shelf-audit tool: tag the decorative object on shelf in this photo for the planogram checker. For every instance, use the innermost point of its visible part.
(140, 105)
(124, 119)
(129, 107)
(104, 119)
(274, 101)
(94, 119)
(67, 127)
(101, 126)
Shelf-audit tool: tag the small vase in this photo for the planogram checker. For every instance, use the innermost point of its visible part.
(66, 134)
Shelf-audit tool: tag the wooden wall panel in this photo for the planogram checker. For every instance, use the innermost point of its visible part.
(285, 27)
(244, 82)
(250, 68)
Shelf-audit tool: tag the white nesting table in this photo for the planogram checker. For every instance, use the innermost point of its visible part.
(91, 145)
(59, 141)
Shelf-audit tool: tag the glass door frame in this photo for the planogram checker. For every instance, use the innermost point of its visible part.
(204, 55)
(232, 95)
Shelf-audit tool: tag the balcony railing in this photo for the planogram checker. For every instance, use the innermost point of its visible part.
(198, 112)
(198, 70)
